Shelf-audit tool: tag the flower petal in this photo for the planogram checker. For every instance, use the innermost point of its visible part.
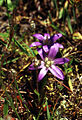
(41, 53)
(56, 36)
(59, 45)
(56, 72)
(35, 44)
(38, 36)
(45, 48)
(46, 36)
(42, 65)
(42, 73)
(54, 50)
(61, 60)
(31, 67)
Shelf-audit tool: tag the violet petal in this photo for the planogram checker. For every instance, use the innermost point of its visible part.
(35, 44)
(59, 45)
(56, 36)
(38, 36)
(56, 72)
(46, 36)
(31, 67)
(54, 50)
(42, 65)
(40, 52)
(42, 73)
(45, 48)
(61, 60)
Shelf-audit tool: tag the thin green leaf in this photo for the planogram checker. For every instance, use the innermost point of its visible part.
(71, 61)
(62, 10)
(69, 22)
(36, 92)
(40, 111)
(21, 47)
(74, 16)
(76, 60)
(56, 28)
(12, 104)
(48, 113)
(10, 5)
(55, 4)
(30, 50)
(65, 68)
(69, 70)
(4, 35)
(10, 61)
(1, 2)
(20, 94)
(18, 89)
(60, 87)
(35, 52)
(50, 18)
(61, 13)
(2, 42)
(5, 108)
(2, 72)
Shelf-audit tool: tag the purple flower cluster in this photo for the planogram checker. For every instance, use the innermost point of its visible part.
(46, 41)
(48, 53)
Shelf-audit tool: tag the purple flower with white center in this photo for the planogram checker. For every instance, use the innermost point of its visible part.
(49, 62)
(46, 41)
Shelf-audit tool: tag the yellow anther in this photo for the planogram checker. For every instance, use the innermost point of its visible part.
(46, 59)
(49, 62)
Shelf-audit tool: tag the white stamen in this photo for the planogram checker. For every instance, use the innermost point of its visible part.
(48, 62)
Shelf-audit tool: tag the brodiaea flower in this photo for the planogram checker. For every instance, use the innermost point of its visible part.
(49, 62)
(45, 41)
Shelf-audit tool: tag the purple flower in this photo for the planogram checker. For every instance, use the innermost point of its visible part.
(49, 62)
(45, 41)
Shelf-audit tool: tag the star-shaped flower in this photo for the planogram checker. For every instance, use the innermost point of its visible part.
(49, 62)
(46, 41)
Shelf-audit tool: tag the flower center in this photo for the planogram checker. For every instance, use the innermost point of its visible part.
(48, 62)
(45, 41)
(36, 62)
